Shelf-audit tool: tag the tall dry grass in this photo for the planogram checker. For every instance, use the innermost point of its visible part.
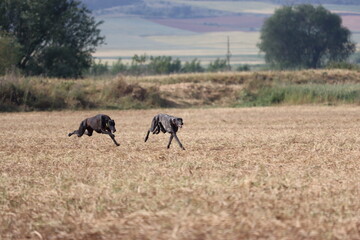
(249, 173)
(20, 93)
(181, 90)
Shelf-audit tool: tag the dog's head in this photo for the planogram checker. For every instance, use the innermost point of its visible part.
(111, 126)
(177, 122)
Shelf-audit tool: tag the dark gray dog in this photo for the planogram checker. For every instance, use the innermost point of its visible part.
(166, 123)
(100, 123)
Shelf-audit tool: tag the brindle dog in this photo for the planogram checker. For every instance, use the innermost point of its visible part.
(100, 123)
(166, 123)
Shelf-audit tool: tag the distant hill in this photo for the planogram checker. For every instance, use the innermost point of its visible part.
(188, 9)
(339, 2)
(290, 2)
(103, 4)
(163, 9)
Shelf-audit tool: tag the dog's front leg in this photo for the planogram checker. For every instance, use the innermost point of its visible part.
(177, 139)
(112, 136)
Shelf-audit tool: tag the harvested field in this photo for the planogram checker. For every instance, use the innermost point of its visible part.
(248, 173)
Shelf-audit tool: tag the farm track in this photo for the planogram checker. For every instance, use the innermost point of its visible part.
(248, 173)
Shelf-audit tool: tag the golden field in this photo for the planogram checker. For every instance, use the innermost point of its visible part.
(247, 173)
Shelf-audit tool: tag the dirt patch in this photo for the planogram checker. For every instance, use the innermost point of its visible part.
(198, 94)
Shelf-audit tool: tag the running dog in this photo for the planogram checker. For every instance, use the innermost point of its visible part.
(100, 123)
(166, 123)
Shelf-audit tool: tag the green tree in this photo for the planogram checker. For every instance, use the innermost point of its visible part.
(9, 53)
(192, 66)
(218, 65)
(57, 37)
(118, 67)
(138, 65)
(99, 68)
(136, 59)
(243, 68)
(164, 65)
(304, 36)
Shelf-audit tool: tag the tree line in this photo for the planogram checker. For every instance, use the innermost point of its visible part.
(157, 65)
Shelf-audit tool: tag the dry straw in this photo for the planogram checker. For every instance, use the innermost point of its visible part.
(250, 173)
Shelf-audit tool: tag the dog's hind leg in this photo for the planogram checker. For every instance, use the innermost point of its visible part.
(161, 127)
(153, 128)
(72, 133)
(154, 125)
(80, 131)
(89, 132)
(177, 139)
(157, 129)
(171, 138)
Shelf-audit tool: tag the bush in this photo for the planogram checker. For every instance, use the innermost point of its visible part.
(30, 94)
(192, 67)
(164, 65)
(301, 94)
(343, 65)
(119, 94)
(12, 95)
(217, 65)
(243, 68)
(98, 69)
(118, 67)
(116, 89)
